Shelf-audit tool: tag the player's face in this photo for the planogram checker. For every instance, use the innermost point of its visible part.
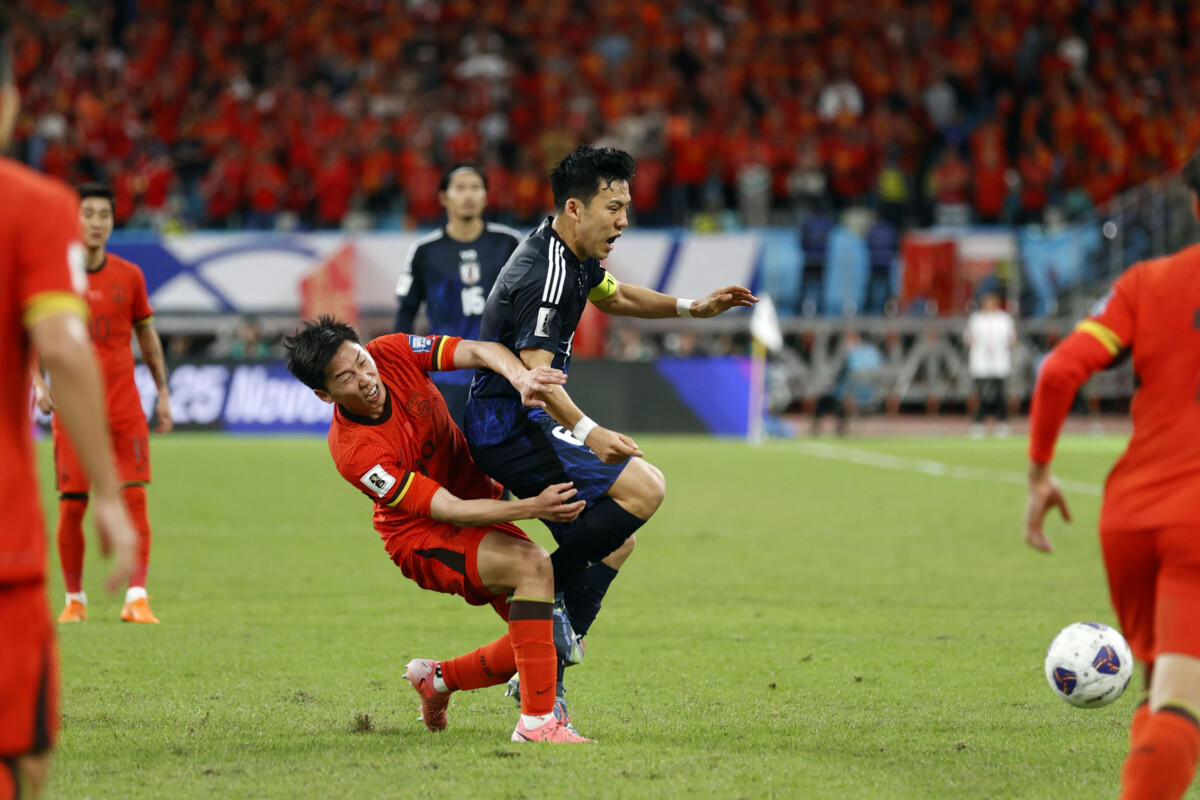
(352, 380)
(95, 221)
(465, 197)
(603, 219)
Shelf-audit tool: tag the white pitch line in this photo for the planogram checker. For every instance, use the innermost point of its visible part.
(937, 469)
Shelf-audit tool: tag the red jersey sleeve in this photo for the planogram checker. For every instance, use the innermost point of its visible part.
(50, 261)
(1113, 318)
(426, 353)
(382, 479)
(143, 314)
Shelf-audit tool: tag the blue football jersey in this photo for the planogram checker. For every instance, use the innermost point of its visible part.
(536, 303)
(453, 280)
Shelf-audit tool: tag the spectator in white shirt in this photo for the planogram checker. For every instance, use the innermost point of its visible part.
(990, 337)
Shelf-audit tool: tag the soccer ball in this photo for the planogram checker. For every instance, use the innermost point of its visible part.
(1089, 664)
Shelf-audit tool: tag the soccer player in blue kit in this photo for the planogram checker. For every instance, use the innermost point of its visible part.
(533, 310)
(452, 271)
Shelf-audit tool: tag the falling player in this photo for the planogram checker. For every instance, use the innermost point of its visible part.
(392, 439)
(533, 311)
(1149, 524)
(41, 271)
(452, 271)
(116, 297)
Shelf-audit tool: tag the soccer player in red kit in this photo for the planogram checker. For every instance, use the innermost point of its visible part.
(1150, 518)
(392, 438)
(41, 271)
(116, 297)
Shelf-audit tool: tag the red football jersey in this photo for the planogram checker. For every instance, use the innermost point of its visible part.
(400, 459)
(1154, 311)
(41, 271)
(116, 296)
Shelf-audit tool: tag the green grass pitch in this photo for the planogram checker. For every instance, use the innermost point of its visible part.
(790, 626)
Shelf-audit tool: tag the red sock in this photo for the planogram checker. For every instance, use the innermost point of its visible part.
(70, 540)
(1137, 725)
(135, 500)
(532, 634)
(1162, 761)
(490, 665)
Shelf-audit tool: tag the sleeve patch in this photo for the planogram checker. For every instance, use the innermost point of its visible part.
(1101, 333)
(420, 344)
(605, 288)
(544, 318)
(378, 480)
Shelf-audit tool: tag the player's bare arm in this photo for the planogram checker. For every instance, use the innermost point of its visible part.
(1044, 494)
(152, 353)
(610, 446)
(536, 384)
(62, 340)
(631, 300)
(553, 504)
(41, 390)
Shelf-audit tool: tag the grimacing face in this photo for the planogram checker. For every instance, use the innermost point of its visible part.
(603, 219)
(95, 221)
(465, 197)
(352, 380)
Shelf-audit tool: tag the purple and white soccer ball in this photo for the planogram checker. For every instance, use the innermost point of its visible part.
(1089, 664)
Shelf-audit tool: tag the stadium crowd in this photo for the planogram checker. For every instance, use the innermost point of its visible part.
(235, 112)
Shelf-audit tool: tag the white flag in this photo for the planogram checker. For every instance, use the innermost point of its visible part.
(764, 324)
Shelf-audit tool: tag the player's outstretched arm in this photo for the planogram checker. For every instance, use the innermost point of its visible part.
(1044, 494)
(631, 300)
(611, 447)
(553, 504)
(535, 384)
(62, 341)
(41, 392)
(156, 361)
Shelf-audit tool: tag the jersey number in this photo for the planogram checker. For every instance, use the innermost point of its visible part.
(100, 329)
(473, 301)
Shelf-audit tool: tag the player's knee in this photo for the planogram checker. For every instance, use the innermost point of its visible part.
(33, 772)
(532, 566)
(653, 489)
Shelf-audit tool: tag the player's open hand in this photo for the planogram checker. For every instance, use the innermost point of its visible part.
(43, 398)
(1044, 494)
(162, 410)
(722, 300)
(539, 381)
(117, 538)
(554, 503)
(612, 447)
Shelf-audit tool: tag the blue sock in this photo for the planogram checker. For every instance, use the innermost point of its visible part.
(584, 594)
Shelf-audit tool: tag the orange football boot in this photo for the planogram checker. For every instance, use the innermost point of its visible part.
(138, 611)
(75, 611)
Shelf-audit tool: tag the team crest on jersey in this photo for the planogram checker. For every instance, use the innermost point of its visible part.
(420, 344)
(419, 405)
(468, 267)
(378, 480)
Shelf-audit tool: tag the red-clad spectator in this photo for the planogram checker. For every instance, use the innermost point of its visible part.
(991, 187)
(421, 189)
(156, 177)
(1036, 168)
(647, 190)
(221, 196)
(950, 188)
(334, 187)
(266, 185)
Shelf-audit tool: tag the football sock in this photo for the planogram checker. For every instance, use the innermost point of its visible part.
(489, 665)
(533, 722)
(1162, 758)
(10, 787)
(134, 593)
(78, 597)
(531, 630)
(597, 532)
(135, 500)
(584, 594)
(70, 539)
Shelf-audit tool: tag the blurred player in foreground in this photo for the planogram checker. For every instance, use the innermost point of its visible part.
(41, 274)
(533, 311)
(116, 297)
(452, 271)
(1150, 519)
(438, 514)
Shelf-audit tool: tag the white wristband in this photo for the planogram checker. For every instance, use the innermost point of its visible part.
(583, 428)
(683, 307)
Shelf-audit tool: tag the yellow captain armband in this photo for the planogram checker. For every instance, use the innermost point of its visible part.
(1112, 343)
(48, 304)
(605, 288)
(143, 322)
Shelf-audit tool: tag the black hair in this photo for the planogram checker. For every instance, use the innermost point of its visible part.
(581, 173)
(455, 169)
(97, 190)
(1191, 173)
(311, 348)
